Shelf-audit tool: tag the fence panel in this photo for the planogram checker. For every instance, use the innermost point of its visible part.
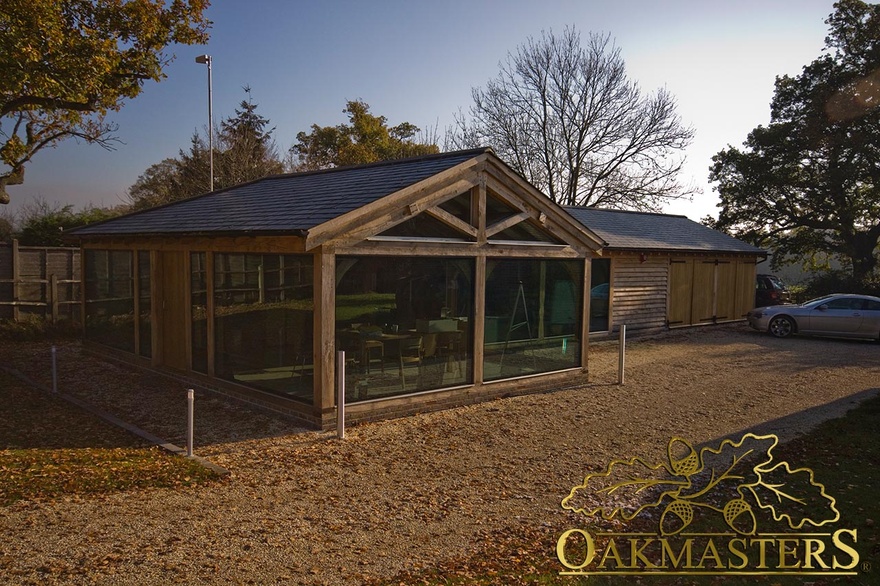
(39, 280)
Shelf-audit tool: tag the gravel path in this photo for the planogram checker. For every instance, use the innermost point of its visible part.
(303, 508)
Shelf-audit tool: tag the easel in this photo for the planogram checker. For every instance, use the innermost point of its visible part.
(512, 325)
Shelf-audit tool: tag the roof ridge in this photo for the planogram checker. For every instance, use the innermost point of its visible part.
(612, 210)
(387, 162)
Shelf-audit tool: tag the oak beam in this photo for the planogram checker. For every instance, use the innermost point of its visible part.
(358, 228)
(506, 223)
(478, 209)
(427, 193)
(452, 221)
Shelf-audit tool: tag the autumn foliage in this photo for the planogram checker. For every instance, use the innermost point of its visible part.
(65, 64)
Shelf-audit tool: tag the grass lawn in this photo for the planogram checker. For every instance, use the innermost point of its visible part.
(843, 453)
(50, 448)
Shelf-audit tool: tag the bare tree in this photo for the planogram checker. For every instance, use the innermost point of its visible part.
(570, 121)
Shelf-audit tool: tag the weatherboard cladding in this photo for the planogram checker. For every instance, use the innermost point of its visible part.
(625, 230)
(281, 203)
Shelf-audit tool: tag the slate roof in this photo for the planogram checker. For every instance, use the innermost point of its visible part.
(625, 230)
(291, 203)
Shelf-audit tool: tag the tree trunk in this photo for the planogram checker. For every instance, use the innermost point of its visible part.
(864, 260)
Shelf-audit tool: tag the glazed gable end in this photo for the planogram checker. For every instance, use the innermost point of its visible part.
(481, 183)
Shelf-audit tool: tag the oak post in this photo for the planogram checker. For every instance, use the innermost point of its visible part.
(16, 274)
(585, 317)
(53, 292)
(325, 328)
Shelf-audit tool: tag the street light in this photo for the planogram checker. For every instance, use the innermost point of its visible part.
(206, 60)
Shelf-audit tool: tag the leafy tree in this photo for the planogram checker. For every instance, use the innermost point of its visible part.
(159, 184)
(808, 183)
(365, 139)
(193, 169)
(64, 64)
(44, 224)
(245, 150)
(7, 228)
(567, 118)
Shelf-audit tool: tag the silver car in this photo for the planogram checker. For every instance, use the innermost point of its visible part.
(838, 315)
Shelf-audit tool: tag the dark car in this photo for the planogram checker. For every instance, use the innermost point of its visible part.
(770, 290)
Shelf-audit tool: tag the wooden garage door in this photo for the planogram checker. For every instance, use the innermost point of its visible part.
(745, 287)
(709, 290)
(704, 292)
(681, 287)
(725, 298)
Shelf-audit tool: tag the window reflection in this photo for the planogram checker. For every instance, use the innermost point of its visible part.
(109, 298)
(600, 287)
(533, 316)
(404, 324)
(263, 312)
(199, 302)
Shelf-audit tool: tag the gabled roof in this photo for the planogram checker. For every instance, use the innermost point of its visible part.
(625, 230)
(291, 203)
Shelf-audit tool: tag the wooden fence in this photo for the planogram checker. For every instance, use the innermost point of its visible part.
(41, 281)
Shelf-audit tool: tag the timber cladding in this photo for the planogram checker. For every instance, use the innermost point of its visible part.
(639, 291)
(658, 290)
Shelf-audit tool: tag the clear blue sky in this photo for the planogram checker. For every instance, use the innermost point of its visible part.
(417, 61)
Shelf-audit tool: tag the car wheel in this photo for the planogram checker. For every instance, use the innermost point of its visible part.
(781, 326)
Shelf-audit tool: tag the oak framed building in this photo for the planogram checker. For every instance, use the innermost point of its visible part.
(662, 271)
(447, 279)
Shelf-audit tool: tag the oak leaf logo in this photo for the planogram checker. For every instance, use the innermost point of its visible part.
(733, 480)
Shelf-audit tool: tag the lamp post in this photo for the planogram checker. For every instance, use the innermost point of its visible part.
(206, 60)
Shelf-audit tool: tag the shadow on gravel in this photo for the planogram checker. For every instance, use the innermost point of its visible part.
(33, 419)
(791, 426)
(797, 353)
(149, 401)
(157, 404)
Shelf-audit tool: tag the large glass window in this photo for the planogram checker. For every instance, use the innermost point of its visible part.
(533, 316)
(459, 206)
(600, 291)
(144, 304)
(263, 328)
(404, 324)
(199, 307)
(109, 298)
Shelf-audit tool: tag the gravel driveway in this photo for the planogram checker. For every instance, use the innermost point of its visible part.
(302, 507)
